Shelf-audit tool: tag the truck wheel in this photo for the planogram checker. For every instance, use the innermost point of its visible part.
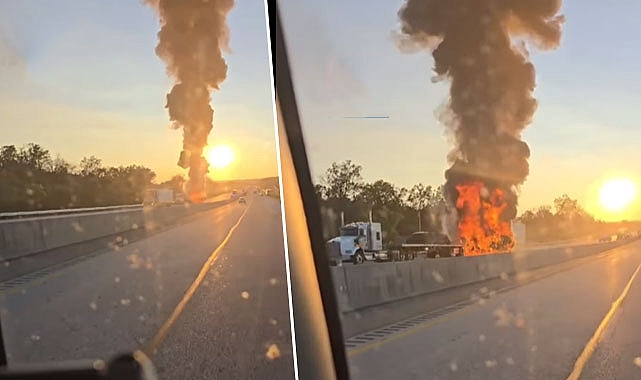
(359, 257)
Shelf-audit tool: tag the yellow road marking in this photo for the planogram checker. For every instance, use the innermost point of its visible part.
(155, 343)
(592, 343)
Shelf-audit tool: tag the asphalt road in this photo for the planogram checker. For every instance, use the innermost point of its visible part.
(534, 331)
(235, 325)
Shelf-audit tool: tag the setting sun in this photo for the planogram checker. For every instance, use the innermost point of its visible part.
(617, 194)
(220, 156)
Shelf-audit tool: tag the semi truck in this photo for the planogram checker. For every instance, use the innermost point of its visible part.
(362, 241)
(159, 197)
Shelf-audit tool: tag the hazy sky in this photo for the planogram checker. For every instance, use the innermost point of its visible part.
(81, 78)
(586, 129)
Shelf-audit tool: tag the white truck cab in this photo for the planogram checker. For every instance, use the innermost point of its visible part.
(358, 242)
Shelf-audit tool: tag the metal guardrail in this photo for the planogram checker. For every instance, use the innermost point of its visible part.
(35, 214)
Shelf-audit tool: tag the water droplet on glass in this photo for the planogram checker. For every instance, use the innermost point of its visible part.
(504, 276)
(509, 361)
(272, 321)
(490, 363)
(272, 352)
(637, 361)
(453, 366)
(93, 306)
(125, 301)
(141, 318)
(273, 281)
(77, 227)
(245, 295)
(482, 338)
(117, 280)
(437, 277)
(6, 263)
(534, 348)
(35, 337)
(98, 365)
(141, 298)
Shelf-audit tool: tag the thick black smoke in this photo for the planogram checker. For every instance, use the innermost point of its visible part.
(478, 46)
(192, 38)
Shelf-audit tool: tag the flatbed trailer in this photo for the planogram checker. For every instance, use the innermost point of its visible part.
(431, 250)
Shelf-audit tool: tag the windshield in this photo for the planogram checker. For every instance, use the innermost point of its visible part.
(349, 231)
(507, 127)
(125, 128)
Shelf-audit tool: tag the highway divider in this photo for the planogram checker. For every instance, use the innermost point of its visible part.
(359, 287)
(32, 235)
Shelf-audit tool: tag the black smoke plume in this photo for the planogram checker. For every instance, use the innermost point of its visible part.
(479, 46)
(192, 39)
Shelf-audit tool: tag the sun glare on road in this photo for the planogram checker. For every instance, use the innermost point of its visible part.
(220, 156)
(616, 194)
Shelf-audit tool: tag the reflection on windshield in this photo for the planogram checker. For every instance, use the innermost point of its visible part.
(133, 216)
(495, 205)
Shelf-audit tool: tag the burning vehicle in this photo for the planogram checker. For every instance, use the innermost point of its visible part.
(480, 48)
(192, 39)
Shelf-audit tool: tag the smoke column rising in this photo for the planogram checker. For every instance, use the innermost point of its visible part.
(479, 46)
(192, 39)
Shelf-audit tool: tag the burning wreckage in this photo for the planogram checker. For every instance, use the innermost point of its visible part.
(192, 38)
(479, 46)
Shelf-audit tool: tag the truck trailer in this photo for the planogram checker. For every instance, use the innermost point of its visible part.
(159, 197)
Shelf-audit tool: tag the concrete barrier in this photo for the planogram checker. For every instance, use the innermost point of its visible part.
(23, 237)
(360, 287)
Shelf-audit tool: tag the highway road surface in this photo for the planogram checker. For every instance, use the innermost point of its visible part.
(579, 320)
(202, 310)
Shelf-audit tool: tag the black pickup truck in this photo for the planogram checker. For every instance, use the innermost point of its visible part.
(432, 244)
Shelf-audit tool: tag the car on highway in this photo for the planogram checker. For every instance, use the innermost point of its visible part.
(242, 200)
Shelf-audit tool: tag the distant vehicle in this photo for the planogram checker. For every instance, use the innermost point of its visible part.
(605, 239)
(159, 197)
(180, 198)
(234, 193)
(242, 200)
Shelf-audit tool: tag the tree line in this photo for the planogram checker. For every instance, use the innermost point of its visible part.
(401, 210)
(566, 219)
(31, 179)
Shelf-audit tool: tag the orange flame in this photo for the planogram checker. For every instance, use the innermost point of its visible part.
(197, 197)
(480, 226)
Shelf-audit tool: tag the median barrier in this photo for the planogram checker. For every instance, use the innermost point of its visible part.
(24, 237)
(359, 287)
